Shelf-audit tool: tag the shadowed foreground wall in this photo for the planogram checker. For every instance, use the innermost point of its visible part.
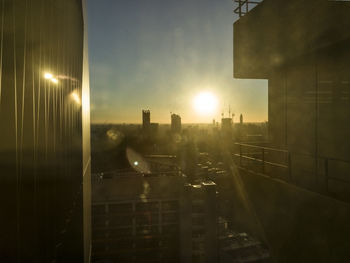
(41, 135)
(298, 225)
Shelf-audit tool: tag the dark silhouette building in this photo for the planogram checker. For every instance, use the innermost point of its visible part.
(146, 120)
(175, 123)
(198, 228)
(44, 135)
(154, 218)
(137, 218)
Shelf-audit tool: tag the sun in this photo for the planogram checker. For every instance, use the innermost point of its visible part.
(205, 103)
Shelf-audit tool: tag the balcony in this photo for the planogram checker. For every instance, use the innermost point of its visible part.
(244, 6)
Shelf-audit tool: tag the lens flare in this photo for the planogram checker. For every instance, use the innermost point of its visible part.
(74, 95)
(48, 75)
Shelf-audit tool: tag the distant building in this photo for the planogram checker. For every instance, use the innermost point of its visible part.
(146, 119)
(226, 126)
(241, 119)
(175, 123)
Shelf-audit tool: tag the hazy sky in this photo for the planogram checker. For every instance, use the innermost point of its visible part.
(158, 54)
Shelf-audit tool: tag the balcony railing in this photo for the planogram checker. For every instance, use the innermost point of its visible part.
(244, 6)
(330, 178)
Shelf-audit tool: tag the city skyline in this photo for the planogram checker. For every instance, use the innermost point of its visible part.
(159, 56)
(221, 170)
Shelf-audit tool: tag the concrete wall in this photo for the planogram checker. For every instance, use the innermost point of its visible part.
(276, 32)
(309, 109)
(302, 48)
(298, 225)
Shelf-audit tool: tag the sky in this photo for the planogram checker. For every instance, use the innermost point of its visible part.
(159, 54)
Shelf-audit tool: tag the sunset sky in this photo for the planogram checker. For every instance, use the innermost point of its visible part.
(158, 55)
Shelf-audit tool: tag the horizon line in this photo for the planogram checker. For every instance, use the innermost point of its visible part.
(168, 123)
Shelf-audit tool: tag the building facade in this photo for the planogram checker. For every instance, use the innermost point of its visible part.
(44, 135)
(153, 218)
(302, 48)
(137, 218)
(306, 60)
(199, 236)
(175, 123)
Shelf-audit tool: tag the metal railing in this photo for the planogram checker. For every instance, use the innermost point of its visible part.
(265, 160)
(277, 163)
(244, 6)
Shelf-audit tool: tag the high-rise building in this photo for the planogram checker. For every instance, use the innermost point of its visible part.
(44, 135)
(146, 119)
(175, 123)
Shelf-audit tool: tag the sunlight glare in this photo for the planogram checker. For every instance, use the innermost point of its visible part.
(205, 103)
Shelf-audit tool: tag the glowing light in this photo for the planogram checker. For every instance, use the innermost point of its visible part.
(48, 75)
(136, 163)
(205, 103)
(74, 95)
